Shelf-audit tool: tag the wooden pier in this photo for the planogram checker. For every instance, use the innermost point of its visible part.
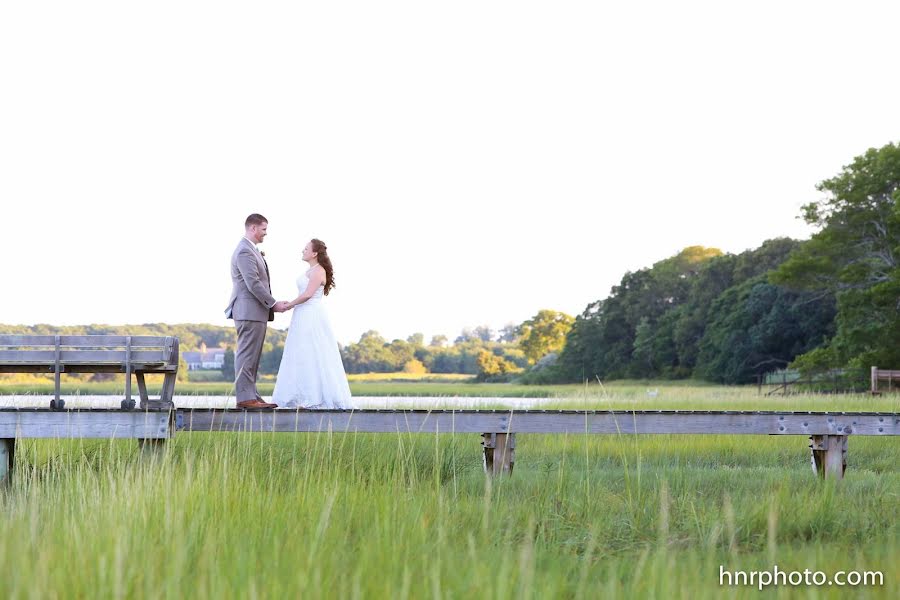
(828, 432)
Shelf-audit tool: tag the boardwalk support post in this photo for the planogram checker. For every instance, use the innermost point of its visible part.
(151, 449)
(154, 449)
(829, 455)
(7, 459)
(499, 453)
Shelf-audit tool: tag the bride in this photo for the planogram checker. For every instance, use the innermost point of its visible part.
(311, 374)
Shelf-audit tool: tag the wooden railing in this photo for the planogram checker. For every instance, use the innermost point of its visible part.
(892, 377)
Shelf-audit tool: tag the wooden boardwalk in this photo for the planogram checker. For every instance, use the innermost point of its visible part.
(828, 431)
(544, 421)
(158, 420)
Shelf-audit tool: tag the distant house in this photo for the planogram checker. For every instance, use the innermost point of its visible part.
(205, 359)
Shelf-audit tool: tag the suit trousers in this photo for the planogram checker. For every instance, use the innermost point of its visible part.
(250, 338)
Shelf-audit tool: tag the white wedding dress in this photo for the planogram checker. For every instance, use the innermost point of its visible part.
(311, 374)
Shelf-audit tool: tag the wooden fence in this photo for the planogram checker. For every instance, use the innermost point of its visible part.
(892, 377)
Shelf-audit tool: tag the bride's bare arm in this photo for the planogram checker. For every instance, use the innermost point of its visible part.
(316, 278)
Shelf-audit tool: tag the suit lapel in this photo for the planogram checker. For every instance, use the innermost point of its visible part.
(268, 279)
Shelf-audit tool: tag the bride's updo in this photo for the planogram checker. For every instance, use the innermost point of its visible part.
(321, 250)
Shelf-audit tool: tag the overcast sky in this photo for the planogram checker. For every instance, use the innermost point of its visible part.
(466, 162)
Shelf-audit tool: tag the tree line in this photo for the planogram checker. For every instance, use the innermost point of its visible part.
(832, 301)
(489, 355)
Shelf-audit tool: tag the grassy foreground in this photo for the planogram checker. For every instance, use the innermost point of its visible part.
(412, 516)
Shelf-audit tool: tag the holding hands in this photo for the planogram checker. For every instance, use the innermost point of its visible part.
(282, 306)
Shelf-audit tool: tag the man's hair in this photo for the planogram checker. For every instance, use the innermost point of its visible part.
(255, 219)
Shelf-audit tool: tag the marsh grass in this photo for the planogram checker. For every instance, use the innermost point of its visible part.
(359, 387)
(593, 395)
(413, 516)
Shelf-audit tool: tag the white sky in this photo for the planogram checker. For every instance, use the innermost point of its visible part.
(466, 162)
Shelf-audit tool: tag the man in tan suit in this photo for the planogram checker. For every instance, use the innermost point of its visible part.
(251, 306)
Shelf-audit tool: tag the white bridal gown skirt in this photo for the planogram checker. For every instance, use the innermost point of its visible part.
(311, 374)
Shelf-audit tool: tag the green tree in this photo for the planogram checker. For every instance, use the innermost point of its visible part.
(484, 333)
(654, 346)
(414, 367)
(481, 333)
(446, 360)
(401, 352)
(509, 334)
(372, 354)
(228, 366)
(544, 333)
(491, 366)
(713, 278)
(182, 370)
(601, 342)
(271, 358)
(757, 327)
(854, 256)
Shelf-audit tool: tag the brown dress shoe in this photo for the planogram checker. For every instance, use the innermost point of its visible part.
(255, 405)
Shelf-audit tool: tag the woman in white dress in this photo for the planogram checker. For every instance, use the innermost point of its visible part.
(311, 374)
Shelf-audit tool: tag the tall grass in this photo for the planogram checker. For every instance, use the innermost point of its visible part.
(412, 516)
(620, 394)
(437, 386)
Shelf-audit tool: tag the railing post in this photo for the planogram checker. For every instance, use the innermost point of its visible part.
(168, 388)
(57, 403)
(128, 403)
(166, 394)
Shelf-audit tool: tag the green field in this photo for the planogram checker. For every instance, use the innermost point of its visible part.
(413, 516)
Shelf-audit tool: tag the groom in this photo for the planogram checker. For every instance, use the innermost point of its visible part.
(251, 306)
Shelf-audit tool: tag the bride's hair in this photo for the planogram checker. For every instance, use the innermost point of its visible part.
(321, 250)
